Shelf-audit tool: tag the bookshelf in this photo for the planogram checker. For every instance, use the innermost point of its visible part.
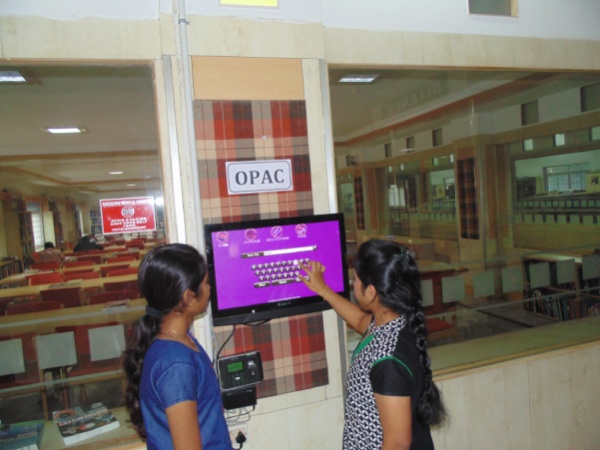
(19, 229)
(568, 298)
(58, 227)
(95, 221)
(10, 266)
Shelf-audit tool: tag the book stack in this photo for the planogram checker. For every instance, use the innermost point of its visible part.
(21, 435)
(84, 422)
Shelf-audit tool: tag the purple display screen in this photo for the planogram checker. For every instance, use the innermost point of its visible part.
(255, 266)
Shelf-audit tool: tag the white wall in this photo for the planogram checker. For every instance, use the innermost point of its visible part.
(550, 19)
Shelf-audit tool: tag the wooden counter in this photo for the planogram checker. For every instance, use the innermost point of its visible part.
(47, 321)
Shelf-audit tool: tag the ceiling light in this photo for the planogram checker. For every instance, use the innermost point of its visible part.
(116, 172)
(65, 130)
(359, 78)
(11, 76)
(130, 185)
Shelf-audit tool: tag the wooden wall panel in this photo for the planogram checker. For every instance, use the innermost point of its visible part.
(228, 78)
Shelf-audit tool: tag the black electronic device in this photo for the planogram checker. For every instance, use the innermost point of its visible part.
(242, 369)
(255, 270)
(241, 397)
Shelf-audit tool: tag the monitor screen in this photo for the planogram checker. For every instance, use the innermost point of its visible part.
(254, 266)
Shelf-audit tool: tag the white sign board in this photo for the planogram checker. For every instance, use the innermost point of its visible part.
(253, 177)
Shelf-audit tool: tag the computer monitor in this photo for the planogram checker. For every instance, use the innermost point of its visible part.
(254, 272)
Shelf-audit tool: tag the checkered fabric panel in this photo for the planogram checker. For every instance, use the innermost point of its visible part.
(467, 198)
(251, 131)
(360, 203)
(292, 349)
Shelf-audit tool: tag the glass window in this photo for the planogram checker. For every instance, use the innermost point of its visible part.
(529, 113)
(590, 97)
(493, 7)
(38, 225)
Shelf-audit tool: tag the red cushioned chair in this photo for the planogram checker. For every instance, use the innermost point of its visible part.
(125, 271)
(24, 308)
(129, 285)
(109, 296)
(85, 365)
(69, 297)
(82, 276)
(50, 265)
(45, 278)
(105, 269)
(30, 380)
(70, 264)
(117, 259)
(95, 259)
(440, 329)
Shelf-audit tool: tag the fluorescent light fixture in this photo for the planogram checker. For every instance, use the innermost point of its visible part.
(11, 76)
(359, 78)
(116, 172)
(65, 130)
(130, 185)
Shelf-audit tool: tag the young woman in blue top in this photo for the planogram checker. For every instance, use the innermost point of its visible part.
(172, 392)
(391, 398)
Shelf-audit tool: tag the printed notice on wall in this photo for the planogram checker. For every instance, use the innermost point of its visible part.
(128, 215)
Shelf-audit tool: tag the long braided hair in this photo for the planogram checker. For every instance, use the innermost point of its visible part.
(393, 272)
(165, 273)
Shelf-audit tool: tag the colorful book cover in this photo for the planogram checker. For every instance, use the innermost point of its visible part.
(21, 435)
(84, 422)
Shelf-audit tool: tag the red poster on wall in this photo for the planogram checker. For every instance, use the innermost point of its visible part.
(127, 215)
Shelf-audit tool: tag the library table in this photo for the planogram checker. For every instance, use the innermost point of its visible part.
(9, 294)
(20, 279)
(46, 321)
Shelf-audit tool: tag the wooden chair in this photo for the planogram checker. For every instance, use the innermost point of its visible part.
(50, 265)
(84, 263)
(95, 259)
(109, 296)
(82, 276)
(69, 297)
(440, 329)
(24, 308)
(45, 278)
(85, 269)
(104, 368)
(125, 271)
(21, 381)
(129, 285)
(105, 269)
(134, 244)
(117, 259)
(136, 254)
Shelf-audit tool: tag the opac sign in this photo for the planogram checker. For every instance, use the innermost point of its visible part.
(127, 215)
(252, 177)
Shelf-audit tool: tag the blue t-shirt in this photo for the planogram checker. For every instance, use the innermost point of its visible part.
(174, 373)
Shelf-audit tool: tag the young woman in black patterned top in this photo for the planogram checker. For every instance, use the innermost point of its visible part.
(391, 399)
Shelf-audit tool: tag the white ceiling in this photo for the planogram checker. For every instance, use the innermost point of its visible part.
(115, 105)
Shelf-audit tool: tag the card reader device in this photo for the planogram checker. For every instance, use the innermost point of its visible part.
(238, 375)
